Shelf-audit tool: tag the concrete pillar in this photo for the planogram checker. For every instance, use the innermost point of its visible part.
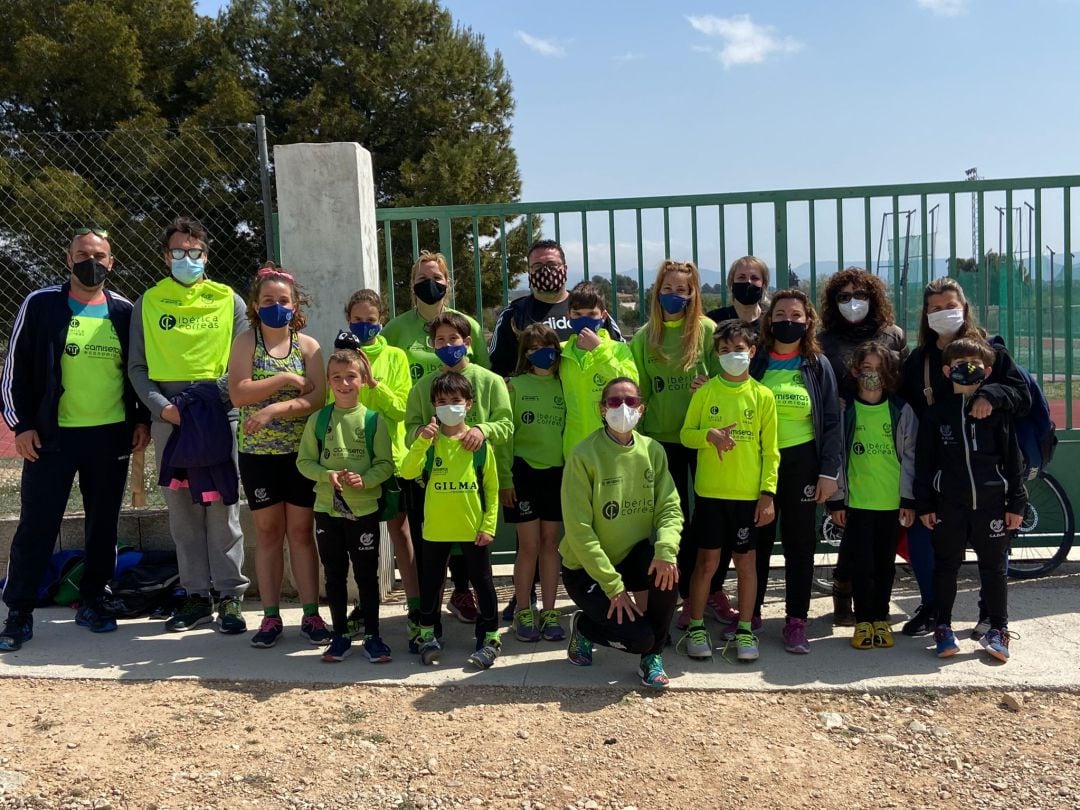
(326, 221)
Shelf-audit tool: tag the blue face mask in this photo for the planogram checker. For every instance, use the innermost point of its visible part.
(451, 355)
(275, 316)
(673, 302)
(188, 270)
(543, 357)
(577, 324)
(365, 331)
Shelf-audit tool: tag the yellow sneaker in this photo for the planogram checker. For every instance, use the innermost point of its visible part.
(864, 636)
(882, 635)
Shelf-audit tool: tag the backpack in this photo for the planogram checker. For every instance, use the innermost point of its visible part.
(388, 504)
(1036, 432)
(144, 588)
(479, 460)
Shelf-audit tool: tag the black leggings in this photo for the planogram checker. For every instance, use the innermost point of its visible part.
(341, 540)
(477, 560)
(647, 634)
(871, 536)
(984, 531)
(796, 508)
(414, 512)
(682, 464)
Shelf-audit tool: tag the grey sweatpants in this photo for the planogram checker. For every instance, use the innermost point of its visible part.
(209, 541)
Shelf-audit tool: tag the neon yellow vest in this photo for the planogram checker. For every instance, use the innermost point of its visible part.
(187, 330)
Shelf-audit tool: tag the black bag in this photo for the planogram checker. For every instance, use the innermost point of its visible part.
(148, 587)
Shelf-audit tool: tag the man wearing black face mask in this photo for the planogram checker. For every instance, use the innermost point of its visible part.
(72, 409)
(546, 303)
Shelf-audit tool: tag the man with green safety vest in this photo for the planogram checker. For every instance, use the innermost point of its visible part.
(182, 329)
(66, 398)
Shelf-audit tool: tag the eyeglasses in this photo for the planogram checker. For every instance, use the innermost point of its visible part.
(615, 402)
(858, 295)
(104, 234)
(551, 267)
(192, 253)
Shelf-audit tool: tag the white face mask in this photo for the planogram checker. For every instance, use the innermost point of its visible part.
(854, 311)
(622, 419)
(450, 415)
(946, 322)
(735, 363)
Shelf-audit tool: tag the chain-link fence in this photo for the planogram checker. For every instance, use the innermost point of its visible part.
(131, 182)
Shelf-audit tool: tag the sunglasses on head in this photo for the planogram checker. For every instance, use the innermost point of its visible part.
(104, 234)
(615, 402)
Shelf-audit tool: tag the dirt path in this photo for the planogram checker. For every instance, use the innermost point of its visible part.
(74, 745)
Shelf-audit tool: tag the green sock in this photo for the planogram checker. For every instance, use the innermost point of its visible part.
(272, 611)
(696, 623)
(427, 633)
(311, 608)
(492, 636)
(412, 603)
(744, 625)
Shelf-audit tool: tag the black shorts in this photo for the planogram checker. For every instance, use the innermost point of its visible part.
(274, 479)
(538, 494)
(723, 524)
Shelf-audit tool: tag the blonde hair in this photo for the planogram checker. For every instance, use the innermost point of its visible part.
(750, 263)
(690, 351)
(423, 258)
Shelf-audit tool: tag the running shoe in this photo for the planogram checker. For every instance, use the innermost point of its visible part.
(921, 622)
(511, 607)
(883, 636)
(462, 606)
(376, 651)
(728, 633)
(92, 617)
(18, 629)
(794, 633)
(746, 646)
(193, 611)
(843, 614)
(314, 629)
(721, 608)
(981, 628)
(996, 643)
(485, 654)
(270, 630)
(651, 670)
(340, 648)
(696, 643)
(430, 651)
(863, 638)
(550, 628)
(945, 645)
(580, 649)
(525, 628)
(230, 620)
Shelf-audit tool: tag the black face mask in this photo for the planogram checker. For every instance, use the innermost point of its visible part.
(429, 291)
(967, 374)
(90, 272)
(746, 293)
(788, 331)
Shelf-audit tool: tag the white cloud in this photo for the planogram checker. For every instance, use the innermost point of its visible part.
(544, 47)
(629, 56)
(944, 8)
(745, 41)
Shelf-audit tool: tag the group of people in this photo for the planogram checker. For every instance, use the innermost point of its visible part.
(637, 473)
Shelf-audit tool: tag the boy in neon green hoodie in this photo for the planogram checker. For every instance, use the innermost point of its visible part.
(590, 360)
(460, 508)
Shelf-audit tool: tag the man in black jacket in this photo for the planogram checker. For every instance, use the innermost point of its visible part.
(67, 398)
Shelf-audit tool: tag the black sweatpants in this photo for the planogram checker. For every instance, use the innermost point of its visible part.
(795, 512)
(100, 456)
(647, 634)
(339, 541)
(477, 560)
(984, 531)
(414, 512)
(682, 464)
(872, 535)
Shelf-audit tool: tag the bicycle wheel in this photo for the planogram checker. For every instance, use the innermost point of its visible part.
(829, 539)
(1046, 533)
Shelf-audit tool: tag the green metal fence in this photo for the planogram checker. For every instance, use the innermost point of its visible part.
(803, 233)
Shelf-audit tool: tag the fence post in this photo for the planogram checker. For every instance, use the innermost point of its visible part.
(264, 177)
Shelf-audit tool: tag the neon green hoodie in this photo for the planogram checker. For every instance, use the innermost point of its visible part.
(390, 366)
(613, 497)
(539, 419)
(665, 384)
(408, 331)
(490, 410)
(584, 375)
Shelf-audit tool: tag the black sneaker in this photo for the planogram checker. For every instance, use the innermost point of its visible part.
(486, 653)
(193, 611)
(921, 622)
(18, 629)
(92, 617)
(230, 620)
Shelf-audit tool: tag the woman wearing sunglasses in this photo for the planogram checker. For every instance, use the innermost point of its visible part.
(617, 494)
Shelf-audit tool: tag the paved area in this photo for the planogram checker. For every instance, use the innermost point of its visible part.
(1046, 616)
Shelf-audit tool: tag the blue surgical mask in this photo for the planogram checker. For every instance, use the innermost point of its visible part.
(187, 270)
(451, 355)
(673, 303)
(577, 324)
(365, 331)
(543, 357)
(275, 316)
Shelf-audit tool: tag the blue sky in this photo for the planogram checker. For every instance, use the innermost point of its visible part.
(637, 98)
